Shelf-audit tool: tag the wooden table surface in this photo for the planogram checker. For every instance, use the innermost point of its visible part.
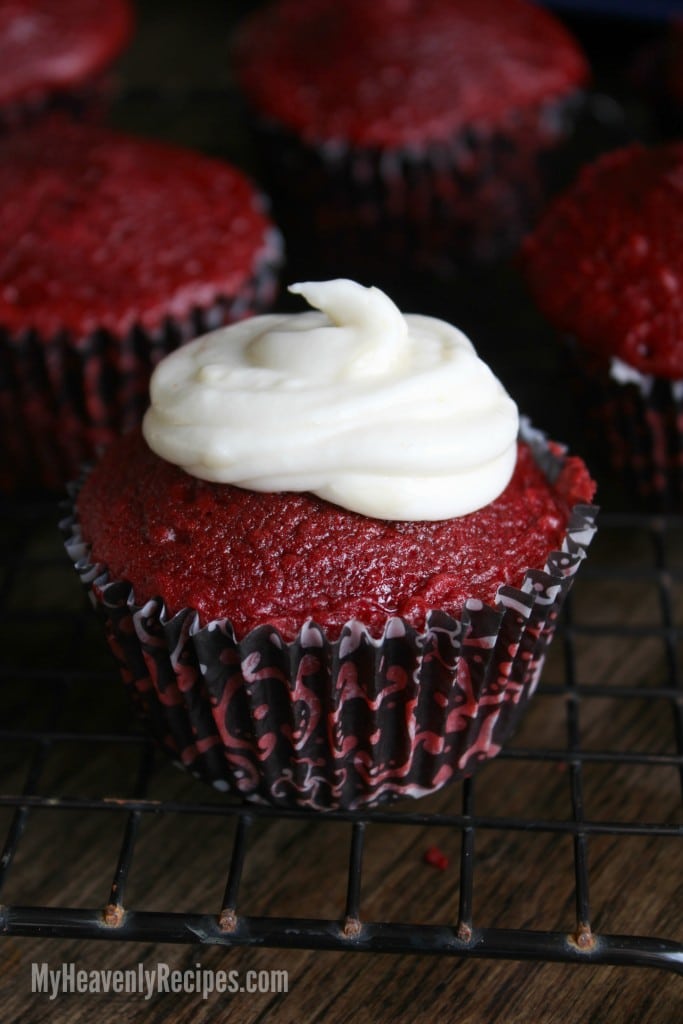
(620, 651)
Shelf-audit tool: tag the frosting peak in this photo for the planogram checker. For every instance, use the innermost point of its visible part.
(388, 415)
(359, 334)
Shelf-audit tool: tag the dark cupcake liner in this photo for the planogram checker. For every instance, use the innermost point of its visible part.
(343, 723)
(87, 101)
(469, 199)
(63, 399)
(636, 427)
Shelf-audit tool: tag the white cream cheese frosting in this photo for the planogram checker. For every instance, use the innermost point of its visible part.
(390, 415)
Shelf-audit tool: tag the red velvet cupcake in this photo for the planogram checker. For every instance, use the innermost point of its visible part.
(415, 126)
(56, 53)
(298, 650)
(606, 267)
(113, 250)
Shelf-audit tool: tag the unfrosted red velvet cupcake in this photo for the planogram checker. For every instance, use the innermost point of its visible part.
(113, 250)
(606, 268)
(297, 650)
(57, 52)
(416, 126)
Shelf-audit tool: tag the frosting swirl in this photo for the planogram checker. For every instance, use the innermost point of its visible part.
(390, 415)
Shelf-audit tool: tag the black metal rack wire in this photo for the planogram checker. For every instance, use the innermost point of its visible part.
(232, 924)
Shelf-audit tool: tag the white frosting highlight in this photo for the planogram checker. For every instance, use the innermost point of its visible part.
(388, 415)
(622, 373)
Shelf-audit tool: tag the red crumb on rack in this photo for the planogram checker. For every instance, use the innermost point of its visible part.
(436, 858)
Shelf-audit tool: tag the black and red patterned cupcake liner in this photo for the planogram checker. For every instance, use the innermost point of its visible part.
(64, 399)
(343, 723)
(87, 102)
(635, 423)
(467, 200)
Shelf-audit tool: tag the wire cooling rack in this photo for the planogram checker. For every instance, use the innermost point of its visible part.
(51, 650)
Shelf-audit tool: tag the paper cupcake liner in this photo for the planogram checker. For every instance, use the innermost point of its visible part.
(87, 101)
(62, 399)
(468, 199)
(635, 422)
(343, 723)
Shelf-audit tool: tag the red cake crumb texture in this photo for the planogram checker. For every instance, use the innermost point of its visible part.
(396, 72)
(606, 262)
(52, 46)
(281, 558)
(436, 858)
(101, 230)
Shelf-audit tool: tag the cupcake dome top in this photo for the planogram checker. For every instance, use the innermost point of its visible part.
(606, 262)
(401, 72)
(279, 558)
(101, 230)
(48, 46)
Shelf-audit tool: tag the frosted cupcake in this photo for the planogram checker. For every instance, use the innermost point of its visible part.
(332, 565)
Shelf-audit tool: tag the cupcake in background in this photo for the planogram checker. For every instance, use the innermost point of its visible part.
(113, 251)
(57, 53)
(405, 131)
(331, 569)
(605, 266)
